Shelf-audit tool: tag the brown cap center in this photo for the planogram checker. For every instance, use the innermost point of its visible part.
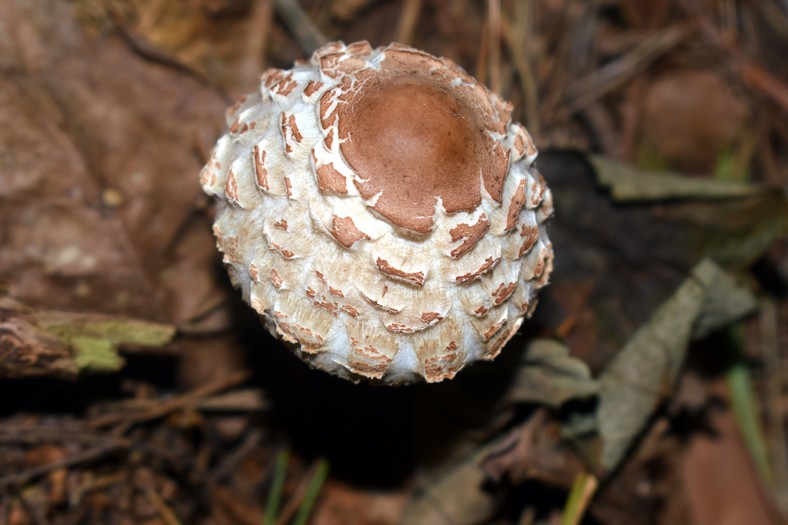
(414, 142)
(415, 130)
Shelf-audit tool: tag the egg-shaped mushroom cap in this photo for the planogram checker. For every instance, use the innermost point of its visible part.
(381, 212)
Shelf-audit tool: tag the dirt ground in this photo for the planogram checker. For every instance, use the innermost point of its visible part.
(650, 386)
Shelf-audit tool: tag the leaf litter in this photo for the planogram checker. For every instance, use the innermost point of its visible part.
(107, 108)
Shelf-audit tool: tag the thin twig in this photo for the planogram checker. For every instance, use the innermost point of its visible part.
(615, 74)
(165, 512)
(177, 403)
(254, 61)
(517, 37)
(408, 20)
(84, 456)
(306, 33)
(230, 461)
(494, 48)
(751, 73)
(482, 59)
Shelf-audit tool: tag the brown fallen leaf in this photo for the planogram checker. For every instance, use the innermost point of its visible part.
(101, 175)
(460, 495)
(36, 342)
(533, 450)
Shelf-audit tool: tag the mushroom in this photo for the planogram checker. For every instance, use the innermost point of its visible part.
(381, 212)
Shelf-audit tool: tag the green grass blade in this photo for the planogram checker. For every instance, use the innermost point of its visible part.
(745, 409)
(583, 489)
(312, 491)
(275, 494)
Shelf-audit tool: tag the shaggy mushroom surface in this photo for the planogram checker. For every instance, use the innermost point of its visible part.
(381, 212)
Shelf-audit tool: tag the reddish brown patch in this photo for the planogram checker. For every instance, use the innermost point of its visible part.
(231, 187)
(258, 305)
(294, 128)
(543, 267)
(371, 352)
(489, 264)
(320, 276)
(227, 244)
(494, 329)
(329, 179)
(312, 87)
(260, 173)
(352, 312)
(431, 317)
(381, 307)
(253, 273)
(237, 105)
(328, 49)
(279, 81)
(234, 126)
(287, 254)
(530, 234)
(503, 292)
(497, 346)
(367, 370)
(290, 132)
(470, 233)
(322, 302)
(519, 144)
(481, 311)
(523, 143)
(537, 190)
(281, 224)
(207, 177)
(285, 86)
(368, 360)
(309, 340)
(345, 232)
(334, 291)
(515, 206)
(413, 137)
(271, 76)
(400, 328)
(276, 280)
(288, 187)
(328, 115)
(444, 366)
(416, 278)
(328, 64)
(329, 139)
(359, 48)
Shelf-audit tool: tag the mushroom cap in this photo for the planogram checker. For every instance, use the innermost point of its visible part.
(381, 212)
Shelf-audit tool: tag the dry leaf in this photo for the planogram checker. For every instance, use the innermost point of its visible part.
(644, 372)
(549, 375)
(628, 183)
